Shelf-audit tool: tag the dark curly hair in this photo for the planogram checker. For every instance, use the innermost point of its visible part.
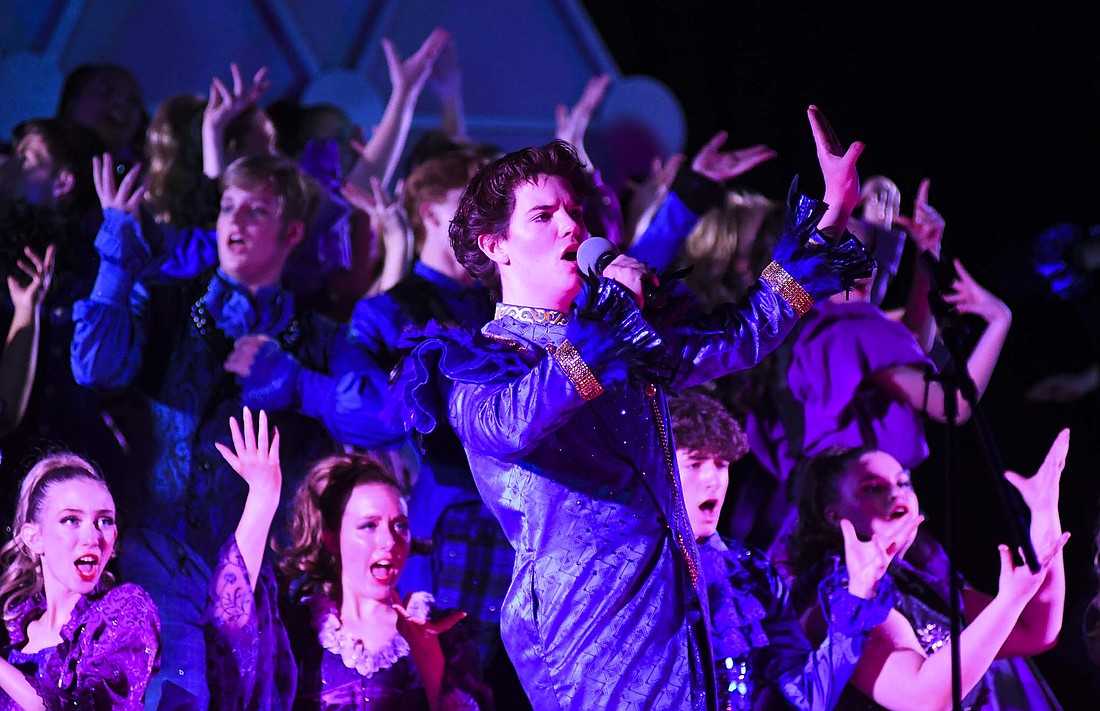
(814, 486)
(703, 426)
(487, 204)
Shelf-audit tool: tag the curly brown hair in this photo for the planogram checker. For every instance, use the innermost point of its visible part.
(704, 427)
(488, 202)
(318, 507)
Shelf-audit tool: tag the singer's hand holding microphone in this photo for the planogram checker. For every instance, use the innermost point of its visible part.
(598, 255)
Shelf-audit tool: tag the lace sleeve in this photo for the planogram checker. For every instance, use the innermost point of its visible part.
(249, 662)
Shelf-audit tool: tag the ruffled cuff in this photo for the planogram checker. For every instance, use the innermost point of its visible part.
(849, 614)
(421, 384)
(120, 242)
(808, 266)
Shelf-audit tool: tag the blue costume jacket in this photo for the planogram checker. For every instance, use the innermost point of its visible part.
(163, 341)
(607, 607)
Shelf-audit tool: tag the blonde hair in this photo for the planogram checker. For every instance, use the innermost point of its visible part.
(745, 227)
(318, 506)
(21, 578)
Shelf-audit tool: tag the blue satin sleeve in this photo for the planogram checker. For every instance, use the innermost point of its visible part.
(351, 395)
(704, 346)
(109, 336)
(813, 679)
(665, 235)
(509, 419)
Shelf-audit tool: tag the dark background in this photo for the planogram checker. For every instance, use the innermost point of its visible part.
(998, 107)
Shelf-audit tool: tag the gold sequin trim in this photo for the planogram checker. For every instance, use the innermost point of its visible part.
(786, 286)
(530, 314)
(578, 371)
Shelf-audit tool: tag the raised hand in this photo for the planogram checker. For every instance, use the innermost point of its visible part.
(254, 457)
(409, 75)
(838, 168)
(413, 622)
(126, 196)
(224, 105)
(26, 298)
(867, 561)
(969, 297)
(1017, 582)
(384, 210)
(925, 226)
(446, 75)
(721, 166)
(571, 125)
(1041, 492)
(647, 195)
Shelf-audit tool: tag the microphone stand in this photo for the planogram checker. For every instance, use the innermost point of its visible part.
(955, 380)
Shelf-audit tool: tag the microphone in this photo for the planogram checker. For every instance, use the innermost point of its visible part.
(595, 253)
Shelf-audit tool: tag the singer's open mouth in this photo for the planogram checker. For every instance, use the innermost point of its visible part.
(570, 255)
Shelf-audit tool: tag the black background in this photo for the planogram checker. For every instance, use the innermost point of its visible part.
(997, 106)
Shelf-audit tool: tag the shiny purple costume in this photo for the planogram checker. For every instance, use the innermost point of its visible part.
(607, 607)
(109, 650)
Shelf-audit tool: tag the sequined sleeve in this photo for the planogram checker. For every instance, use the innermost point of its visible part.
(249, 662)
(108, 653)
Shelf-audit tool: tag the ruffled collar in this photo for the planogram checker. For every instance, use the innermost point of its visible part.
(334, 638)
(238, 313)
(736, 614)
(35, 606)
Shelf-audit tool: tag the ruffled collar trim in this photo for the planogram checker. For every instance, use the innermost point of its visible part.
(35, 606)
(737, 615)
(532, 315)
(334, 638)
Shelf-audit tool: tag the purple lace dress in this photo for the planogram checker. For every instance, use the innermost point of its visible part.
(267, 651)
(109, 651)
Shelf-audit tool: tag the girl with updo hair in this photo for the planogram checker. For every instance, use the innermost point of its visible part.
(75, 639)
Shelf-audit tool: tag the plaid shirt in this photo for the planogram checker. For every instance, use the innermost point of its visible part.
(471, 561)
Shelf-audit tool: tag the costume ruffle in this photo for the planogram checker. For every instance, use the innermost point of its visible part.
(822, 266)
(441, 356)
(849, 614)
(736, 614)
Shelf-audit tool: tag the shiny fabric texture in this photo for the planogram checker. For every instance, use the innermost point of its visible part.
(759, 642)
(606, 608)
(109, 651)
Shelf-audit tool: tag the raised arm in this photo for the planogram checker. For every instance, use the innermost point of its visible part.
(19, 360)
(838, 168)
(255, 457)
(380, 155)
(109, 334)
(446, 82)
(693, 192)
(1041, 621)
(925, 228)
(221, 108)
(895, 671)
(854, 600)
(909, 385)
(390, 225)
